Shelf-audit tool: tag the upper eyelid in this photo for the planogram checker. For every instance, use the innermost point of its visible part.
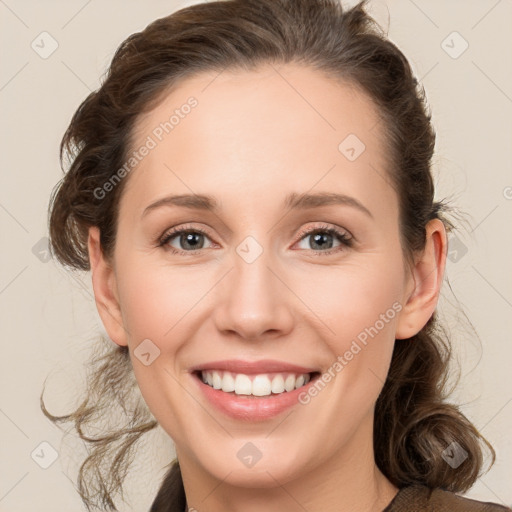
(325, 227)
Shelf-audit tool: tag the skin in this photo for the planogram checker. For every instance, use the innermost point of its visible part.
(252, 139)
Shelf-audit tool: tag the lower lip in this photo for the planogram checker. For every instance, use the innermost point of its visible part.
(250, 407)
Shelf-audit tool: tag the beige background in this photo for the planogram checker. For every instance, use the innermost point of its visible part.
(49, 317)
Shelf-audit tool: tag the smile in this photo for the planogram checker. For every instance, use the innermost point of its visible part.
(264, 384)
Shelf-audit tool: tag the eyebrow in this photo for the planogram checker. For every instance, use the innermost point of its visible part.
(293, 201)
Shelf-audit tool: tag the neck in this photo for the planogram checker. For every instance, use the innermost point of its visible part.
(349, 481)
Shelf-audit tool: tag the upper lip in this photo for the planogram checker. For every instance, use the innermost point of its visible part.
(253, 367)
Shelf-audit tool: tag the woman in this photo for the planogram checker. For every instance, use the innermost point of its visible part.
(251, 190)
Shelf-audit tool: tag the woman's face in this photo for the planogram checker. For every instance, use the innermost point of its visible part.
(252, 282)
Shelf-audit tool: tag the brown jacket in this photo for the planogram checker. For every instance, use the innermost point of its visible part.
(418, 498)
(414, 498)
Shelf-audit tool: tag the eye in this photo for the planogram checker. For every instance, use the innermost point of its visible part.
(322, 237)
(191, 239)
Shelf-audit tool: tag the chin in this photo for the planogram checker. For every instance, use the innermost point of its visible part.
(273, 470)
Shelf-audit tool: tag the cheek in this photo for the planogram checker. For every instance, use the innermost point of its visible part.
(348, 300)
(158, 305)
(156, 299)
(361, 309)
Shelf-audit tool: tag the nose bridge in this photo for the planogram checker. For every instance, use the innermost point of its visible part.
(251, 299)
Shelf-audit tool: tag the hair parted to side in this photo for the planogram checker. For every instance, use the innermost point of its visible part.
(413, 421)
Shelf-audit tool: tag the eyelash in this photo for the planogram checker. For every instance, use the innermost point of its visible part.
(346, 241)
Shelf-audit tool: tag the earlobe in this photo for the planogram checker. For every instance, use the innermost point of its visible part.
(420, 299)
(105, 291)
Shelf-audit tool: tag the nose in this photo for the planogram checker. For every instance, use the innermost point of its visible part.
(254, 301)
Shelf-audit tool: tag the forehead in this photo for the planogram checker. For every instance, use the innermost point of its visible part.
(260, 134)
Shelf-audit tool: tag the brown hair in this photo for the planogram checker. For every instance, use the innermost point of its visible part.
(413, 422)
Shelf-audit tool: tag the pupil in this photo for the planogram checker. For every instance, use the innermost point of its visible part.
(318, 237)
(190, 238)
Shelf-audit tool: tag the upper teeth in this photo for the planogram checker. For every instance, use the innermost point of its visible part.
(260, 385)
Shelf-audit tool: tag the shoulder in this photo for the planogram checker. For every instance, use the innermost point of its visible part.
(171, 495)
(446, 500)
(419, 498)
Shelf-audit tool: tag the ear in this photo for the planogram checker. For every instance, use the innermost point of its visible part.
(105, 289)
(424, 282)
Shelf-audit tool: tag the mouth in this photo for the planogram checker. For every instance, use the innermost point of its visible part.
(255, 385)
